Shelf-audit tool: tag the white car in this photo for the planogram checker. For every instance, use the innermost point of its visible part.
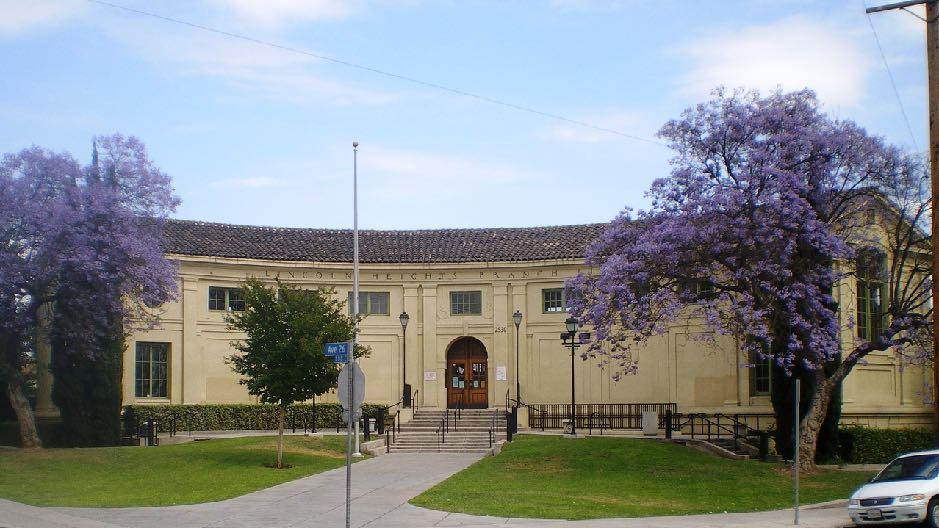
(906, 491)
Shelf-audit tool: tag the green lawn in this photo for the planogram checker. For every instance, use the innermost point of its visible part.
(158, 476)
(560, 478)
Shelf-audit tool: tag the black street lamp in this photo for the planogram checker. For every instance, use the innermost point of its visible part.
(574, 340)
(517, 319)
(406, 394)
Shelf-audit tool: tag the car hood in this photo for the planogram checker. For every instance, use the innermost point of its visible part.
(894, 488)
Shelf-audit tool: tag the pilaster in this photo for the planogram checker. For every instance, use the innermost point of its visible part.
(434, 391)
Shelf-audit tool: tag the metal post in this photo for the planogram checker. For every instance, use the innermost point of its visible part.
(518, 368)
(405, 397)
(795, 457)
(573, 402)
(355, 314)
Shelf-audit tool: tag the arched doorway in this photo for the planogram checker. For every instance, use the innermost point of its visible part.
(467, 374)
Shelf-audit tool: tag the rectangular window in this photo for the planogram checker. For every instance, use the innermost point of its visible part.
(870, 309)
(761, 377)
(553, 300)
(150, 368)
(466, 303)
(216, 298)
(372, 303)
(231, 299)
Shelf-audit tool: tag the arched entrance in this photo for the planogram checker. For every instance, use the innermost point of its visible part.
(467, 374)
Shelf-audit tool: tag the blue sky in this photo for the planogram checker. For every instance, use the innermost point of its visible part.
(256, 135)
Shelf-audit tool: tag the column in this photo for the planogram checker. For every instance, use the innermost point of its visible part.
(191, 371)
(413, 362)
(499, 355)
(434, 390)
(523, 368)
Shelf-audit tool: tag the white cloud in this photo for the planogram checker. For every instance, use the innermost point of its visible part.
(793, 53)
(277, 13)
(19, 16)
(619, 120)
(401, 173)
(269, 72)
(261, 182)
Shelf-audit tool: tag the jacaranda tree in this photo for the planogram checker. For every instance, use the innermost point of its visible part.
(80, 255)
(770, 204)
(281, 358)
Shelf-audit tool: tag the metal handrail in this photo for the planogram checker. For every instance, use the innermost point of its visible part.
(441, 434)
(415, 404)
(492, 425)
(543, 412)
(590, 423)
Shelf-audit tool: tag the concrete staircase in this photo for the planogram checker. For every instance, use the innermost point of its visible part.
(468, 434)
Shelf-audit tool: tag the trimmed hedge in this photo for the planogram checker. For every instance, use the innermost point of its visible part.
(227, 417)
(867, 445)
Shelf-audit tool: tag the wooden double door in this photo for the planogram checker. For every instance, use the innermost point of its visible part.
(467, 374)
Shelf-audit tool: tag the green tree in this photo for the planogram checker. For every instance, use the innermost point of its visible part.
(281, 358)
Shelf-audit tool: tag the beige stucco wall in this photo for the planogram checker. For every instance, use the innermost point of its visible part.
(676, 367)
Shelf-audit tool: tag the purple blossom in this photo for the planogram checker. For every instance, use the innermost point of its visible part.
(762, 202)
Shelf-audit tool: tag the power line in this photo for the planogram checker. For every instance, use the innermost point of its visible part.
(377, 71)
(893, 81)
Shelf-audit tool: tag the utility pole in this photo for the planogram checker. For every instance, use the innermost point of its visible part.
(932, 56)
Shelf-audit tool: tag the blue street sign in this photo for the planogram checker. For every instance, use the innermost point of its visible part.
(340, 358)
(334, 349)
(338, 351)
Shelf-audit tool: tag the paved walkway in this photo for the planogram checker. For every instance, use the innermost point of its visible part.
(381, 488)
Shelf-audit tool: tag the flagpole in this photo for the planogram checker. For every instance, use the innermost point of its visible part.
(355, 265)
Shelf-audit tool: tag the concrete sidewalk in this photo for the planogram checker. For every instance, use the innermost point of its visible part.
(381, 488)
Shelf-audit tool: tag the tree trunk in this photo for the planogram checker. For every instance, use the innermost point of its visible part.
(280, 437)
(29, 436)
(812, 421)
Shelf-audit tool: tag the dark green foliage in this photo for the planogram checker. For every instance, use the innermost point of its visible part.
(227, 417)
(86, 372)
(867, 445)
(281, 359)
(52, 433)
(6, 411)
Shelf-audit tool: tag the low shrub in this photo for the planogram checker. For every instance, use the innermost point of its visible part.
(867, 445)
(227, 417)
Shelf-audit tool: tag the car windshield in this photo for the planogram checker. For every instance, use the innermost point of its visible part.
(916, 467)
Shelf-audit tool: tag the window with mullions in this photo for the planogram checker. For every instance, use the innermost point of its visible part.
(150, 370)
(761, 377)
(466, 303)
(553, 300)
(231, 299)
(372, 303)
(871, 293)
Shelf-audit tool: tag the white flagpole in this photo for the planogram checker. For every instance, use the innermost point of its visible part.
(355, 265)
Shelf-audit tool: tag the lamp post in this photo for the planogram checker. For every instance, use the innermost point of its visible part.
(574, 340)
(405, 394)
(517, 319)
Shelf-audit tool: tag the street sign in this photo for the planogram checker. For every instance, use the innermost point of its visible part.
(335, 349)
(358, 388)
(338, 351)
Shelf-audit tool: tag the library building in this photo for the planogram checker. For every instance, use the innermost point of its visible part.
(464, 317)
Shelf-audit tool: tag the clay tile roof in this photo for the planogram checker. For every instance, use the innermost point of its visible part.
(185, 237)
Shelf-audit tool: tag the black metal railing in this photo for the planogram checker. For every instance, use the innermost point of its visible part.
(492, 426)
(614, 415)
(712, 427)
(542, 414)
(600, 422)
(415, 401)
